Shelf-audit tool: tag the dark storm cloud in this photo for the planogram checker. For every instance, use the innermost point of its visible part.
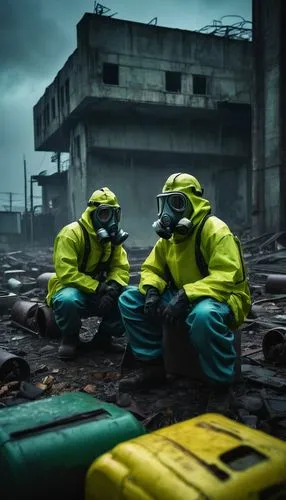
(29, 39)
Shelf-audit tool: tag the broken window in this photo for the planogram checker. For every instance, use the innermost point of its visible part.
(199, 84)
(53, 108)
(67, 91)
(62, 94)
(173, 81)
(110, 74)
(77, 146)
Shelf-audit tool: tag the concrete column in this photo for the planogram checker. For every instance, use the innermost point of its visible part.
(269, 115)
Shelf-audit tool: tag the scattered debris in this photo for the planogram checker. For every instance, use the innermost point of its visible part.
(264, 377)
(90, 389)
(13, 367)
(258, 397)
(30, 391)
(41, 369)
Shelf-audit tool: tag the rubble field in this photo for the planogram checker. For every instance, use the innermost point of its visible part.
(259, 398)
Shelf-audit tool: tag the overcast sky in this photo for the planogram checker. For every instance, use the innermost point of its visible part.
(37, 36)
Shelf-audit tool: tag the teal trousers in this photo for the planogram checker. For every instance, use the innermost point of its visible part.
(71, 304)
(208, 331)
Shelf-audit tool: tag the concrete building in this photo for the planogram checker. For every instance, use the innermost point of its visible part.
(269, 116)
(54, 196)
(135, 103)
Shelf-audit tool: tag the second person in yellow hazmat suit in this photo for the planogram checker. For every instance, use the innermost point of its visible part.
(205, 289)
(91, 271)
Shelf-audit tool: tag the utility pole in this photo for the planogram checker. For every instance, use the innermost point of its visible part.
(25, 185)
(10, 201)
(59, 162)
(31, 195)
(31, 210)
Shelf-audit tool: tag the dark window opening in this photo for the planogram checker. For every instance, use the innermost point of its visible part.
(199, 84)
(62, 93)
(173, 81)
(110, 74)
(53, 108)
(77, 146)
(67, 91)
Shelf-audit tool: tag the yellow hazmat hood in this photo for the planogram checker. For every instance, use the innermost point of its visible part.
(100, 196)
(190, 186)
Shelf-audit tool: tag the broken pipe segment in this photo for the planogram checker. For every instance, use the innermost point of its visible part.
(276, 283)
(43, 280)
(13, 367)
(272, 338)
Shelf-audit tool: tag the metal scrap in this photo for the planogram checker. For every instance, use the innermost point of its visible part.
(264, 377)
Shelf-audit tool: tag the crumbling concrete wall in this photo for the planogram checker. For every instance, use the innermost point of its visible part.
(268, 132)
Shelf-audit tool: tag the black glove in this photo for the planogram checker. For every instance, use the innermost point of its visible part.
(109, 293)
(177, 309)
(152, 303)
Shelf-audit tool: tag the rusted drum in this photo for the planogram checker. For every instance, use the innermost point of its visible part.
(46, 322)
(13, 367)
(24, 312)
(272, 338)
(181, 358)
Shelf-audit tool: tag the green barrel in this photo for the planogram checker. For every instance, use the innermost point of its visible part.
(47, 446)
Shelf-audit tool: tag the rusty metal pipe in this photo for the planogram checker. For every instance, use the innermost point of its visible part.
(25, 313)
(276, 283)
(24, 328)
(13, 367)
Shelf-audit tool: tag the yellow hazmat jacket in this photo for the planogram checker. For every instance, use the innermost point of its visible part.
(226, 281)
(69, 249)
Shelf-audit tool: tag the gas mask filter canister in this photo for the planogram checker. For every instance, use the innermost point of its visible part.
(105, 220)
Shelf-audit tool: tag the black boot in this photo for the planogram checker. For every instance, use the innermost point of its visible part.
(146, 377)
(105, 342)
(68, 346)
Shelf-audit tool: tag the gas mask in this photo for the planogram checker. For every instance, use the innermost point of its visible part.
(174, 211)
(105, 220)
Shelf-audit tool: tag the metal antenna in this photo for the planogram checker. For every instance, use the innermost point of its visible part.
(101, 10)
(240, 30)
(153, 21)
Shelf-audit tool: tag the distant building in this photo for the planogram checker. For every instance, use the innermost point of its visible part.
(136, 102)
(54, 197)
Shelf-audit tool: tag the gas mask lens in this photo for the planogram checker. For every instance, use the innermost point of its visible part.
(177, 202)
(104, 213)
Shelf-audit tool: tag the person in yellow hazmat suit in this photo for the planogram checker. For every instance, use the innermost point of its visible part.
(194, 276)
(91, 270)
